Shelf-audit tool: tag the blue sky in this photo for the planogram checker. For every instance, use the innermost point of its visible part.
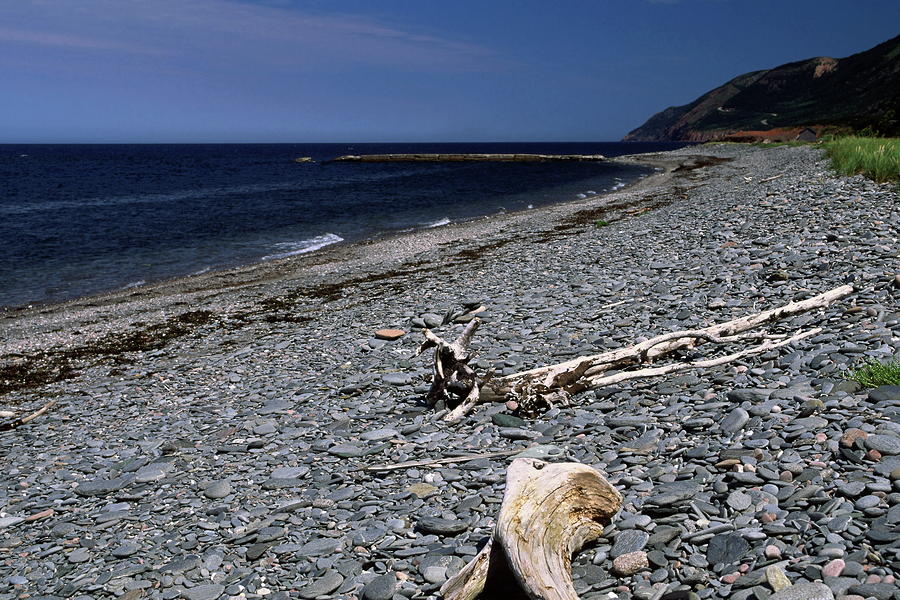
(392, 70)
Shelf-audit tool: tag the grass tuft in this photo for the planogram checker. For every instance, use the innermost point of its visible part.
(873, 374)
(876, 158)
(601, 223)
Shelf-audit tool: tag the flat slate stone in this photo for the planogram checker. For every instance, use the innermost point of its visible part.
(396, 378)
(275, 406)
(439, 526)
(739, 501)
(380, 588)
(726, 548)
(736, 420)
(102, 487)
(389, 334)
(348, 450)
(672, 494)
(804, 591)
(217, 489)
(628, 541)
(320, 547)
(325, 584)
(881, 591)
(210, 591)
(886, 444)
(290, 472)
(376, 435)
(885, 393)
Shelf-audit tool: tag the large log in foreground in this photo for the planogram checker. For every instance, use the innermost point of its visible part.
(456, 385)
(549, 512)
(380, 158)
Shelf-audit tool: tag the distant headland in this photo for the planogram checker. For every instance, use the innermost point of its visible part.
(800, 99)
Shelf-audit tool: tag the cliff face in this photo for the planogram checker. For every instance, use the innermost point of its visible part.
(858, 91)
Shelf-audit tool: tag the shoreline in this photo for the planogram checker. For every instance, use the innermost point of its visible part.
(384, 252)
(285, 263)
(228, 441)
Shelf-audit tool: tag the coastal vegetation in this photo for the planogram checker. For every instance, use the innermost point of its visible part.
(876, 158)
(874, 373)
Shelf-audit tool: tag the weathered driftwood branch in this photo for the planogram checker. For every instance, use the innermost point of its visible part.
(440, 461)
(456, 384)
(15, 423)
(549, 512)
(451, 371)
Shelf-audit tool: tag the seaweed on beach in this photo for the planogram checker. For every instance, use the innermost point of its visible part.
(25, 371)
(479, 251)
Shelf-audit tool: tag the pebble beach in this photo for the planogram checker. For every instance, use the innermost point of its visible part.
(215, 436)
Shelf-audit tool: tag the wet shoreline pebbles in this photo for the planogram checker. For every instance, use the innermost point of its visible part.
(231, 461)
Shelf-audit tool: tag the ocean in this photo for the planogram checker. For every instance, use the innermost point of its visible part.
(79, 219)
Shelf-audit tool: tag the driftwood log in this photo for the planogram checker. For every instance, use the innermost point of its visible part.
(549, 512)
(18, 422)
(456, 385)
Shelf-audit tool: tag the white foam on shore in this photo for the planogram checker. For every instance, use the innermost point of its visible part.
(134, 284)
(304, 246)
(439, 223)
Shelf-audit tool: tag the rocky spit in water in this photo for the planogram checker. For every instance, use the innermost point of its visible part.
(222, 458)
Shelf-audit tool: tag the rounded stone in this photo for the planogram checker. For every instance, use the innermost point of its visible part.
(380, 588)
(217, 489)
(631, 563)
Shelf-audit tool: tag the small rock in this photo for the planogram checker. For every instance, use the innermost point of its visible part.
(726, 549)
(885, 393)
(210, 591)
(79, 555)
(833, 568)
(628, 542)
(804, 591)
(389, 335)
(439, 526)
(380, 588)
(422, 490)
(879, 591)
(325, 584)
(777, 578)
(851, 435)
(217, 489)
(736, 420)
(631, 563)
(102, 487)
(739, 501)
(505, 420)
(884, 444)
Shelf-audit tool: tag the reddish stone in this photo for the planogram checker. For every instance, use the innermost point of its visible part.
(873, 455)
(851, 435)
(730, 578)
(389, 334)
(631, 563)
(833, 569)
(40, 515)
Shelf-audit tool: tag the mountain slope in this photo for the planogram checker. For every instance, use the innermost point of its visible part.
(862, 90)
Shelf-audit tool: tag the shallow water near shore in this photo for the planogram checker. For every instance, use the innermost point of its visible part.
(83, 219)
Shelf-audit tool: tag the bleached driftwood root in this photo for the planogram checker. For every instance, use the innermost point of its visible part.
(549, 512)
(457, 385)
(16, 423)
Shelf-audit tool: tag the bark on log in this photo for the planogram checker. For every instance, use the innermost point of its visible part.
(549, 512)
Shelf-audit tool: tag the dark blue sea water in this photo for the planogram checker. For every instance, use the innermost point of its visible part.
(82, 219)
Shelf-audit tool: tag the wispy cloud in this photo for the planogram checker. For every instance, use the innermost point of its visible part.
(49, 38)
(219, 31)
